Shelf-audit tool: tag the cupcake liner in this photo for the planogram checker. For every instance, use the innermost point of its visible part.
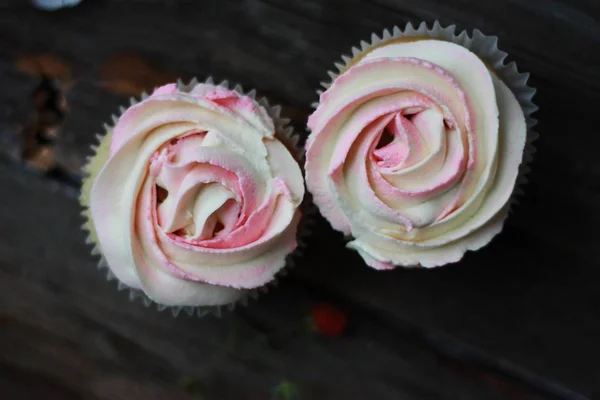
(283, 132)
(486, 48)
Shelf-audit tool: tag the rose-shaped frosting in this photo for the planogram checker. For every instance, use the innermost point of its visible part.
(197, 200)
(414, 151)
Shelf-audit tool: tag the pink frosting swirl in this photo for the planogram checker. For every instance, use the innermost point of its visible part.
(414, 151)
(198, 200)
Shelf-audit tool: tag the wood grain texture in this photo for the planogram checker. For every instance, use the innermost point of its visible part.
(529, 303)
(66, 331)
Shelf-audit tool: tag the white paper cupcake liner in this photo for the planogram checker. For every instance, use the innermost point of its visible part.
(486, 48)
(283, 132)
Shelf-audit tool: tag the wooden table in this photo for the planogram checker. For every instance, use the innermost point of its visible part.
(517, 320)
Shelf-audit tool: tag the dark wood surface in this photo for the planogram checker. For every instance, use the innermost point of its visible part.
(518, 319)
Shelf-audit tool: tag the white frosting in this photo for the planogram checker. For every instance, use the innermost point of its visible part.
(442, 184)
(198, 200)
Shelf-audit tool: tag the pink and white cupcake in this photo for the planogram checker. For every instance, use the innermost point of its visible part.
(192, 197)
(417, 144)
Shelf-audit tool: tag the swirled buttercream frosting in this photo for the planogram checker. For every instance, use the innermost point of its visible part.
(193, 198)
(414, 152)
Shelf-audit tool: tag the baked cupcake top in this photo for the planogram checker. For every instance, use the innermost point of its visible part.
(192, 196)
(414, 151)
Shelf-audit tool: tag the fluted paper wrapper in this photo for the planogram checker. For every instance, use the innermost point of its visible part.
(486, 48)
(284, 133)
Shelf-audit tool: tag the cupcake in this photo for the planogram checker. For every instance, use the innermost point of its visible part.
(416, 146)
(192, 197)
